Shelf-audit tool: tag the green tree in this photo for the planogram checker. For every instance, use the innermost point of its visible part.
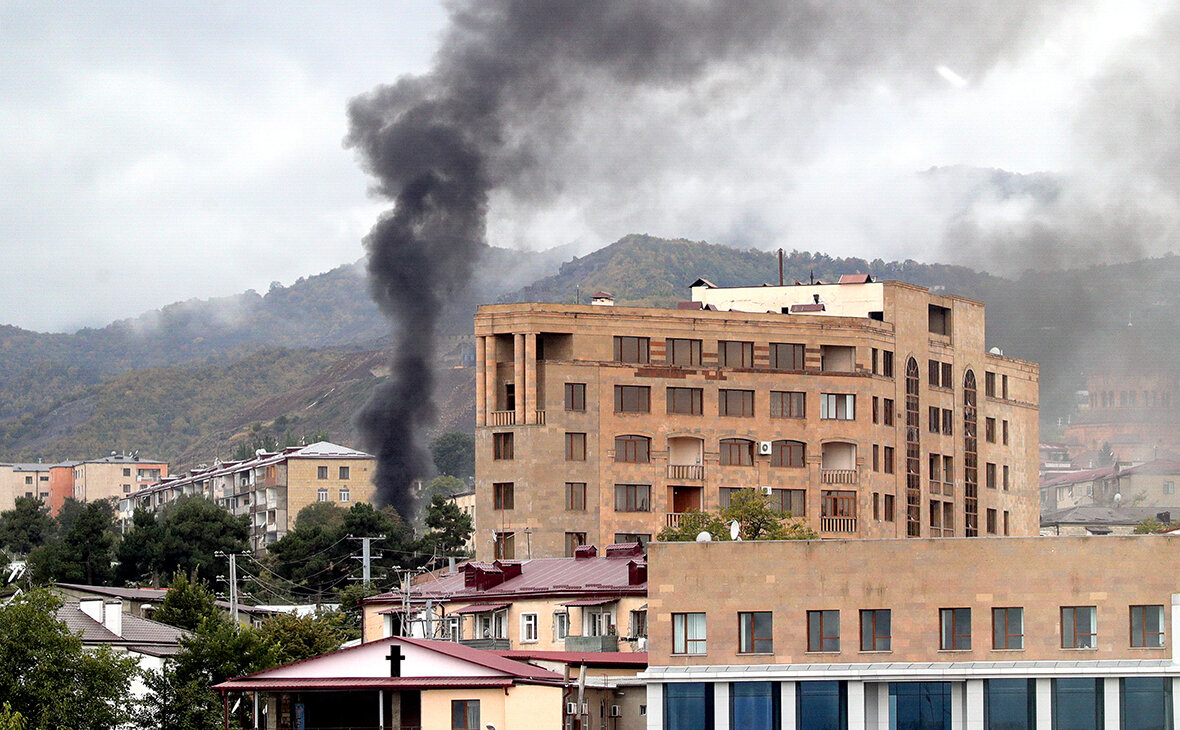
(448, 528)
(49, 680)
(351, 599)
(293, 637)
(186, 604)
(141, 551)
(454, 454)
(195, 529)
(757, 519)
(326, 515)
(10, 719)
(26, 526)
(85, 552)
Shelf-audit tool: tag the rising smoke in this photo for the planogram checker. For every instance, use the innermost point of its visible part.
(529, 101)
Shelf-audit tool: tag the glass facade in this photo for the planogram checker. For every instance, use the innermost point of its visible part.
(821, 706)
(920, 706)
(1146, 703)
(1009, 704)
(688, 706)
(754, 706)
(1077, 704)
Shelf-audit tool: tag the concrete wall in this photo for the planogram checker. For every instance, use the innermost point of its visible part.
(521, 707)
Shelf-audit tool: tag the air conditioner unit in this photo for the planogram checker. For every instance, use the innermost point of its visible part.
(571, 708)
(766, 490)
(764, 448)
(616, 711)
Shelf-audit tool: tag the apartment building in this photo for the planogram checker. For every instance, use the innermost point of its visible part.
(1011, 633)
(114, 476)
(23, 480)
(870, 409)
(270, 488)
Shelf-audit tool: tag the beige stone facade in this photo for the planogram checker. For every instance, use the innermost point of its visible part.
(709, 399)
(115, 476)
(23, 480)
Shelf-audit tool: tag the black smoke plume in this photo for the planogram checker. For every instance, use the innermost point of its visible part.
(513, 78)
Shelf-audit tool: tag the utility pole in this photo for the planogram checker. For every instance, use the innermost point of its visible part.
(233, 582)
(366, 558)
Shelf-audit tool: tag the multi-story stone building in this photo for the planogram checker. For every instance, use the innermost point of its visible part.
(869, 409)
(1002, 633)
(269, 489)
(114, 476)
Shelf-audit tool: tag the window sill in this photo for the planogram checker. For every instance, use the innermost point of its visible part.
(689, 655)
(755, 653)
(829, 653)
(1147, 648)
(875, 651)
(955, 651)
(1008, 650)
(1079, 648)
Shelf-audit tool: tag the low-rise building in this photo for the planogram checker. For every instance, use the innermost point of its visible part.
(1020, 632)
(270, 488)
(88, 480)
(585, 603)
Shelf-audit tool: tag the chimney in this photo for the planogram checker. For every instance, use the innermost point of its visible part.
(92, 607)
(584, 552)
(112, 617)
(636, 573)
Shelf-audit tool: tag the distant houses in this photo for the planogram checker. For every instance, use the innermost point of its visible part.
(87, 480)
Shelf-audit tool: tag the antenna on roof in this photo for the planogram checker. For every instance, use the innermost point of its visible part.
(813, 276)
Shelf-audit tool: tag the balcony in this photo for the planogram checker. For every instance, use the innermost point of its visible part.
(539, 417)
(673, 519)
(839, 525)
(838, 476)
(502, 418)
(693, 472)
(487, 644)
(592, 643)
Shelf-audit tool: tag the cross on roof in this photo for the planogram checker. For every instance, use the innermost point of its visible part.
(395, 660)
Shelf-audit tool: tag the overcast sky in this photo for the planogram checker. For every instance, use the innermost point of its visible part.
(154, 152)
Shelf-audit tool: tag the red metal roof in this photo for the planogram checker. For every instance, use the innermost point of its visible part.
(344, 683)
(589, 658)
(480, 608)
(590, 602)
(856, 279)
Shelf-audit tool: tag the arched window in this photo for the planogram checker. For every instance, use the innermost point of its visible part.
(633, 449)
(913, 452)
(970, 458)
(737, 452)
(788, 453)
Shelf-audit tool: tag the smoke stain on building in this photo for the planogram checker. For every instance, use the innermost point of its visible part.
(507, 87)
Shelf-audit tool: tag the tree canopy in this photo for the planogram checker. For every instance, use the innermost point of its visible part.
(448, 528)
(84, 552)
(26, 526)
(186, 604)
(757, 518)
(454, 454)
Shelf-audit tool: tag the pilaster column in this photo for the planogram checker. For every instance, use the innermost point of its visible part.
(481, 377)
(518, 375)
(974, 704)
(1044, 704)
(720, 706)
(1111, 707)
(856, 704)
(789, 720)
(530, 377)
(491, 384)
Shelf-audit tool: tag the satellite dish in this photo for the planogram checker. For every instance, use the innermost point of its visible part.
(734, 529)
(704, 537)
(1118, 498)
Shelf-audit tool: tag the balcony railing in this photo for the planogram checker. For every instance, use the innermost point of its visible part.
(592, 643)
(487, 644)
(695, 472)
(503, 418)
(841, 525)
(539, 417)
(838, 476)
(673, 519)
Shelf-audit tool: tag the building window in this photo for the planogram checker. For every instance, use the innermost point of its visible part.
(887, 459)
(888, 509)
(875, 629)
(939, 320)
(1146, 702)
(465, 715)
(991, 521)
(955, 626)
(505, 546)
(688, 706)
(453, 629)
(787, 404)
(528, 628)
(685, 401)
(823, 631)
(1010, 703)
(887, 411)
(632, 349)
(756, 632)
(989, 385)
(1007, 628)
(1004, 435)
(1004, 481)
(876, 409)
(837, 406)
(1079, 627)
(688, 633)
(735, 354)
(632, 497)
(29, 480)
(787, 453)
(575, 496)
(970, 457)
(321, 495)
(345, 495)
(1169, 487)
(876, 457)
(935, 419)
(502, 495)
(321, 472)
(990, 475)
(637, 628)
(1078, 702)
(575, 447)
(737, 403)
(632, 538)
(684, 352)
(737, 452)
(575, 396)
(786, 356)
(126, 489)
(632, 399)
(561, 625)
(126, 472)
(573, 541)
(344, 472)
(793, 501)
(1147, 626)
(989, 430)
(1006, 522)
(633, 449)
(502, 446)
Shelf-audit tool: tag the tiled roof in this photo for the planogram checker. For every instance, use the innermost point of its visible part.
(1158, 466)
(131, 594)
(542, 576)
(136, 630)
(589, 658)
(1092, 514)
(1076, 477)
(344, 683)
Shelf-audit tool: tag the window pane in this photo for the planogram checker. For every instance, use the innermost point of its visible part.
(688, 706)
(1077, 704)
(1009, 704)
(821, 705)
(1146, 703)
(920, 704)
(754, 706)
